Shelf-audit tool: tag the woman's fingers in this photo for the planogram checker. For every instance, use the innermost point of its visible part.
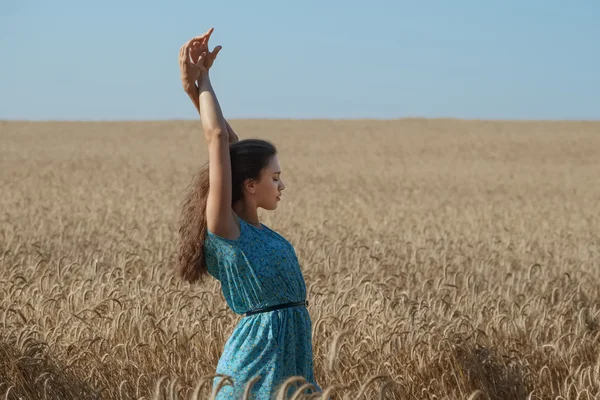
(188, 50)
(204, 37)
(200, 64)
(188, 53)
(193, 41)
(183, 56)
(196, 49)
(216, 51)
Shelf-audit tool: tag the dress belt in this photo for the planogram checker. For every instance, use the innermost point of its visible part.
(277, 307)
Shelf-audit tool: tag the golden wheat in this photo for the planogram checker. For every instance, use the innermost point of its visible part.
(444, 259)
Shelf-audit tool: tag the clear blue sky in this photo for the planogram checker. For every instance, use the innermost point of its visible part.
(501, 59)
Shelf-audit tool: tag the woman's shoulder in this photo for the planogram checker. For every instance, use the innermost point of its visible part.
(218, 240)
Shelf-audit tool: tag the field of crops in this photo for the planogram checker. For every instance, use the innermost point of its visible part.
(444, 259)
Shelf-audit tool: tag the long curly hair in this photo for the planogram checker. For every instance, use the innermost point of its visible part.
(248, 158)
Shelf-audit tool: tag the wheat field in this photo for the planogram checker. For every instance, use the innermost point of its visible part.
(445, 259)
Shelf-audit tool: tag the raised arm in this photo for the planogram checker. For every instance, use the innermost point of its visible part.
(219, 213)
(198, 46)
(194, 94)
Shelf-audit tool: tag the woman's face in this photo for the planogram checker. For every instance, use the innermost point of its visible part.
(269, 186)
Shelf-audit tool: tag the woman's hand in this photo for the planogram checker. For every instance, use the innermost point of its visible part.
(200, 45)
(190, 69)
(194, 61)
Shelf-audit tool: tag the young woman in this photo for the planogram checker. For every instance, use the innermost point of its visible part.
(221, 235)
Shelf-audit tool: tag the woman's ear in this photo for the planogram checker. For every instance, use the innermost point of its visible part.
(250, 185)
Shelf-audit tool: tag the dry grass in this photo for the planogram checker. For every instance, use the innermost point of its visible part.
(445, 259)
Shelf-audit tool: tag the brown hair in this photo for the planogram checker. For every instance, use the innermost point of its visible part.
(248, 158)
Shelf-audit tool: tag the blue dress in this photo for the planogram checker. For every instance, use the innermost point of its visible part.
(257, 270)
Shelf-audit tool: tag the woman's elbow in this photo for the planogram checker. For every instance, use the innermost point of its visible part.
(216, 134)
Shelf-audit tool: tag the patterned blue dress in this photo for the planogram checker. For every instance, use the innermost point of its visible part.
(257, 270)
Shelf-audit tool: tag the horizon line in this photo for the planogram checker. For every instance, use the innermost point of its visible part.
(275, 119)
